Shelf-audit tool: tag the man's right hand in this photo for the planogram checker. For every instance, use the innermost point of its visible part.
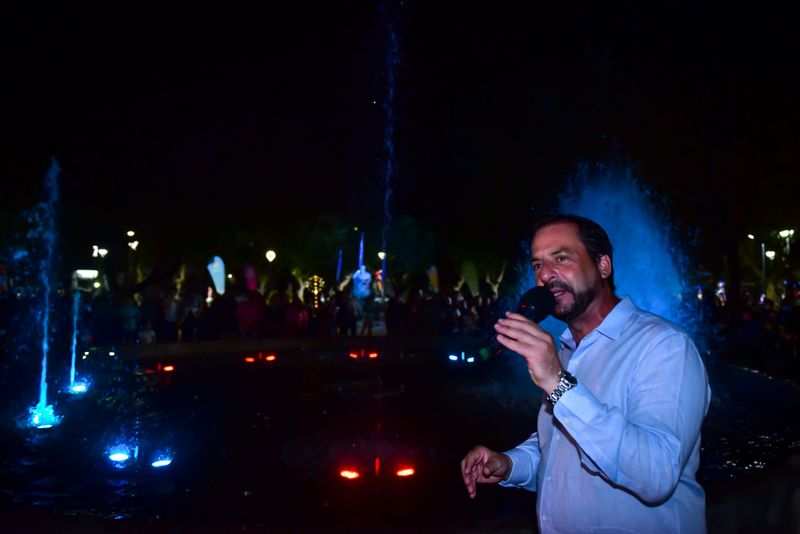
(484, 466)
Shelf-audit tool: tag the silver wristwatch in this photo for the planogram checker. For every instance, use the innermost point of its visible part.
(565, 383)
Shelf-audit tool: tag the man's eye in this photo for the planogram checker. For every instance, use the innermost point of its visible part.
(536, 266)
(561, 259)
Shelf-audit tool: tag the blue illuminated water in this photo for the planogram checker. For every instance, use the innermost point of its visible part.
(76, 306)
(43, 415)
(361, 251)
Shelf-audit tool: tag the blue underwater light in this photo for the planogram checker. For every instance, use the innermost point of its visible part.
(43, 416)
(121, 455)
(79, 387)
(462, 357)
(162, 459)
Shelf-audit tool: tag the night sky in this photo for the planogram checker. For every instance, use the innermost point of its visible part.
(166, 119)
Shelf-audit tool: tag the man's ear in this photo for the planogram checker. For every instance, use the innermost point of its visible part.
(605, 267)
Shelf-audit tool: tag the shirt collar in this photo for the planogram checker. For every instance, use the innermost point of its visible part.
(611, 326)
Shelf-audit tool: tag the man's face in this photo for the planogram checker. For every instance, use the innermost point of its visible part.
(563, 265)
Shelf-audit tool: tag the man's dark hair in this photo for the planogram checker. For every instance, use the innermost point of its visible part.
(591, 234)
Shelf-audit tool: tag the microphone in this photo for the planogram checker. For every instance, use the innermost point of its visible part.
(536, 304)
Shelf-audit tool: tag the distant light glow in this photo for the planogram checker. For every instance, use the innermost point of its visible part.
(103, 252)
(453, 358)
(161, 463)
(119, 456)
(785, 233)
(406, 472)
(133, 245)
(770, 254)
(230, 276)
(353, 355)
(95, 251)
(86, 274)
(112, 353)
(471, 359)
(750, 236)
(97, 285)
(249, 359)
(373, 355)
(169, 368)
(381, 255)
(216, 268)
(699, 293)
(271, 255)
(271, 357)
(349, 474)
(130, 233)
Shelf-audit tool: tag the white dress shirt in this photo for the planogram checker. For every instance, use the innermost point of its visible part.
(620, 450)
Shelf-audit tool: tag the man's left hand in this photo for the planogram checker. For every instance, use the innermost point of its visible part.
(524, 337)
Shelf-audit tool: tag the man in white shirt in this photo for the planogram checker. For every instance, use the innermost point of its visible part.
(618, 436)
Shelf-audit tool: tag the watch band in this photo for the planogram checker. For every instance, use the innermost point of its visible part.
(565, 383)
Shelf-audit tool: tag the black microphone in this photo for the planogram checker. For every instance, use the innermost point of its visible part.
(536, 304)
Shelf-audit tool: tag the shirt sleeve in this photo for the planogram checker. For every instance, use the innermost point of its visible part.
(525, 459)
(645, 449)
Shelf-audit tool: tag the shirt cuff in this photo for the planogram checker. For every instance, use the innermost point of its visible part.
(521, 470)
(577, 402)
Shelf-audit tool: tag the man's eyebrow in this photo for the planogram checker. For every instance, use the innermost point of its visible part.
(564, 250)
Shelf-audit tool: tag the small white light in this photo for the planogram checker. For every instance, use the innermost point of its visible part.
(86, 274)
(133, 244)
(162, 463)
(112, 353)
(97, 285)
(131, 233)
(453, 358)
(102, 252)
(750, 236)
(784, 233)
(381, 255)
(770, 254)
(271, 255)
(230, 276)
(471, 359)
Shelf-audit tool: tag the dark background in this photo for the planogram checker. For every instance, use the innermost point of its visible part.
(179, 121)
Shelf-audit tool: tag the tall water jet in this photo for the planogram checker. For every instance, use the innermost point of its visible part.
(390, 168)
(339, 266)
(43, 415)
(361, 252)
(75, 387)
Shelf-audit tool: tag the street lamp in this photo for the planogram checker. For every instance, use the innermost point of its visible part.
(271, 255)
(770, 254)
(133, 245)
(131, 233)
(102, 252)
(751, 236)
(381, 255)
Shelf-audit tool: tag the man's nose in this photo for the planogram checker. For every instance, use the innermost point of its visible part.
(545, 274)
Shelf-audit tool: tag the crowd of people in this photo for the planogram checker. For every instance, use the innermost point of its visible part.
(157, 315)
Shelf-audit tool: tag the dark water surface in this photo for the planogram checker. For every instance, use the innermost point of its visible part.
(261, 445)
